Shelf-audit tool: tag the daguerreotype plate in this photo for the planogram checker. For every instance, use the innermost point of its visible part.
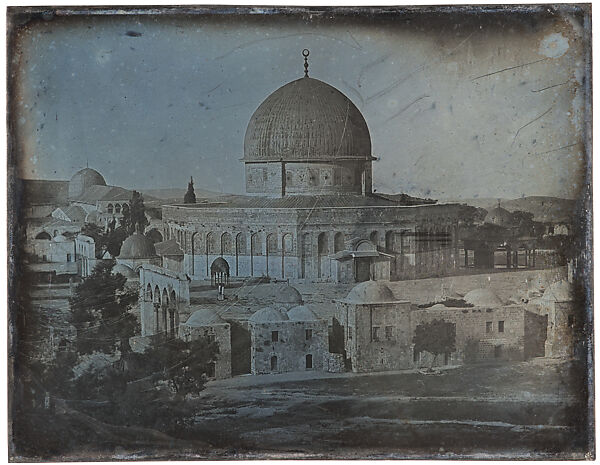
(300, 232)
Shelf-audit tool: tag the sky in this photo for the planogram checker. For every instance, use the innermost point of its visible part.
(458, 105)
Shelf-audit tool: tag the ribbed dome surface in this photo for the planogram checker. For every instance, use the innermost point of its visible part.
(500, 217)
(307, 119)
(137, 246)
(83, 180)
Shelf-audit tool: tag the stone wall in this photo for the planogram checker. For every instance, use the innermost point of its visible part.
(222, 335)
(296, 243)
(291, 347)
(502, 333)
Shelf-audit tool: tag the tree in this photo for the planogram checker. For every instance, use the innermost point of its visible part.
(97, 233)
(184, 364)
(190, 195)
(101, 313)
(436, 337)
(134, 219)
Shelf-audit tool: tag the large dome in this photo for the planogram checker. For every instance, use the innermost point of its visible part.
(500, 217)
(307, 119)
(83, 180)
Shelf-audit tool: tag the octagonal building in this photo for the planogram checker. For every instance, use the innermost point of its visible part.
(309, 212)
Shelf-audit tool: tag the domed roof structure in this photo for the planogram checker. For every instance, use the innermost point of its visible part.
(288, 295)
(268, 315)
(204, 317)
(500, 217)
(125, 271)
(84, 179)
(304, 120)
(302, 313)
(59, 238)
(483, 298)
(561, 291)
(137, 246)
(371, 292)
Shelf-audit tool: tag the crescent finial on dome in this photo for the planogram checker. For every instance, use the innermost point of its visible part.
(305, 54)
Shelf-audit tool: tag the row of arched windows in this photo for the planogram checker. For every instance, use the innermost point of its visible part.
(117, 208)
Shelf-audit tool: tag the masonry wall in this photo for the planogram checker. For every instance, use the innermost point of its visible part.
(222, 335)
(291, 348)
(296, 243)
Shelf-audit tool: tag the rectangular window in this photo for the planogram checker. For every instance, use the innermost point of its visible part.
(68, 257)
(274, 336)
(375, 333)
(389, 333)
(350, 332)
(488, 326)
(501, 326)
(308, 334)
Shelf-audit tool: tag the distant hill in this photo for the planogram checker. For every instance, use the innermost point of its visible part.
(544, 209)
(177, 193)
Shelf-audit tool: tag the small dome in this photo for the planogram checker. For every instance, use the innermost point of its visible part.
(125, 271)
(137, 246)
(371, 292)
(204, 317)
(500, 217)
(307, 119)
(268, 315)
(438, 306)
(59, 238)
(220, 265)
(302, 313)
(483, 298)
(84, 179)
(561, 291)
(288, 295)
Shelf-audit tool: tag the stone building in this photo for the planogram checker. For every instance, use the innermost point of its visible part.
(378, 329)
(558, 304)
(293, 340)
(206, 322)
(310, 205)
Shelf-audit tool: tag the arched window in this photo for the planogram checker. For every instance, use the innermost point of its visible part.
(148, 293)
(117, 208)
(109, 208)
(240, 244)
(287, 243)
(256, 244)
(211, 244)
(44, 236)
(338, 242)
(323, 244)
(390, 241)
(125, 209)
(226, 244)
(374, 237)
(272, 244)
